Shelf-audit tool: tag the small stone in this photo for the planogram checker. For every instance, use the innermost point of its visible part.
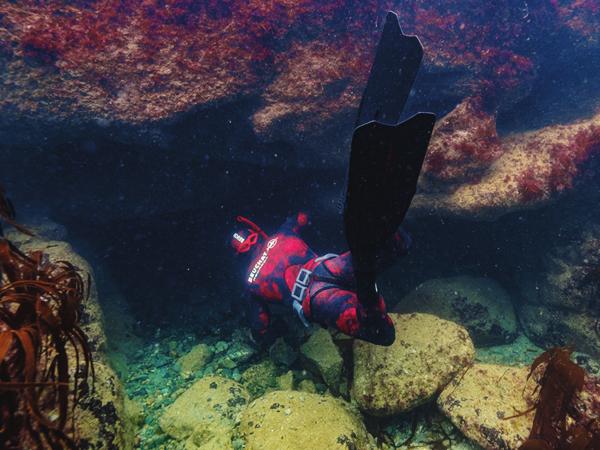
(323, 357)
(307, 386)
(221, 346)
(282, 353)
(260, 377)
(239, 353)
(195, 359)
(285, 382)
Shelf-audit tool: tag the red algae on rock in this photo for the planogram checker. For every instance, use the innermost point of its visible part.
(465, 143)
(529, 168)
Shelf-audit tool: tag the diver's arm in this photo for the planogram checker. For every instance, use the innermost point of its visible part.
(296, 223)
(260, 320)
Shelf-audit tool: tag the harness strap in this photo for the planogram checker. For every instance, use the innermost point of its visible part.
(302, 283)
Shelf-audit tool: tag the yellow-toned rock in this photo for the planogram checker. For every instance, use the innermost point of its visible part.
(102, 420)
(293, 420)
(195, 359)
(479, 402)
(206, 412)
(427, 353)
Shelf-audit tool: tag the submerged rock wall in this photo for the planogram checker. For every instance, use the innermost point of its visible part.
(102, 415)
(136, 71)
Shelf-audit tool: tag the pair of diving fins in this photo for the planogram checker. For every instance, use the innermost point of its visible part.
(386, 155)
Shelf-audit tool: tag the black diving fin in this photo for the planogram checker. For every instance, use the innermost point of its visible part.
(386, 156)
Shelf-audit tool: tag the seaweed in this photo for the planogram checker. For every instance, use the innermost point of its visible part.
(40, 305)
(560, 383)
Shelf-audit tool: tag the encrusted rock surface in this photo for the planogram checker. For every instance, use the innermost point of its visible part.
(481, 305)
(260, 377)
(427, 354)
(206, 412)
(323, 356)
(300, 420)
(478, 401)
(102, 419)
(560, 289)
(472, 173)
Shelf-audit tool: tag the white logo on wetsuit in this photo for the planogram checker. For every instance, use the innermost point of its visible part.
(261, 261)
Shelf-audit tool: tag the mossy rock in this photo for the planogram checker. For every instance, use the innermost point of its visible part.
(481, 305)
(427, 353)
(299, 420)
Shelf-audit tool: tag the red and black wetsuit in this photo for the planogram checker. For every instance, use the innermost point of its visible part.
(285, 271)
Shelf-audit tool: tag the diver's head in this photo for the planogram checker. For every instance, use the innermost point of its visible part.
(247, 236)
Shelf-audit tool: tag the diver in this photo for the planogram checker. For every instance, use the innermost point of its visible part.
(340, 291)
(318, 289)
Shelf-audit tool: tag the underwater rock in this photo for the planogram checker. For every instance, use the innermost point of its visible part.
(101, 418)
(585, 408)
(463, 145)
(479, 401)
(323, 357)
(132, 69)
(560, 289)
(427, 353)
(260, 377)
(307, 385)
(240, 352)
(529, 169)
(282, 353)
(299, 420)
(206, 412)
(285, 382)
(195, 359)
(480, 305)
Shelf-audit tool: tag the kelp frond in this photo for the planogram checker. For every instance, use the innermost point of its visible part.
(40, 305)
(560, 382)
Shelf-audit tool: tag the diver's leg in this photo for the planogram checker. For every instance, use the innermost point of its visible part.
(341, 268)
(396, 246)
(339, 308)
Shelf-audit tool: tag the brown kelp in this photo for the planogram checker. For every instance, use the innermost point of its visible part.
(40, 338)
(556, 425)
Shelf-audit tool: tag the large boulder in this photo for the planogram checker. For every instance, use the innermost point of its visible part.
(560, 290)
(101, 416)
(481, 305)
(205, 414)
(427, 353)
(323, 357)
(473, 173)
(479, 402)
(300, 420)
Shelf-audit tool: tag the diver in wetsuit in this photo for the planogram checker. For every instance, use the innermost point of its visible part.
(386, 157)
(319, 289)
